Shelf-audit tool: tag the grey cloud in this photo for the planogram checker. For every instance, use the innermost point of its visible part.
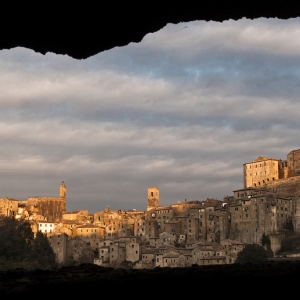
(182, 110)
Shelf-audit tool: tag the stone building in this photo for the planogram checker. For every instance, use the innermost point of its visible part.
(9, 207)
(140, 229)
(259, 172)
(45, 227)
(153, 198)
(78, 215)
(80, 251)
(167, 238)
(171, 260)
(212, 260)
(155, 242)
(258, 212)
(263, 170)
(148, 257)
(151, 229)
(67, 227)
(89, 233)
(231, 249)
(293, 163)
(59, 243)
(117, 254)
(133, 251)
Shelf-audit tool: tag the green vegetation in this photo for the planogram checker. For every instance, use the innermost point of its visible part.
(288, 226)
(19, 248)
(290, 244)
(252, 253)
(266, 243)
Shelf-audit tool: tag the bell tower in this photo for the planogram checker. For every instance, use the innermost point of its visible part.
(153, 198)
(62, 190)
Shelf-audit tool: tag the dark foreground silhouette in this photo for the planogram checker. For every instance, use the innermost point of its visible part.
(241, 280)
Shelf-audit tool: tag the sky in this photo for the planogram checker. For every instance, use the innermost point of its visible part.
(182, 110)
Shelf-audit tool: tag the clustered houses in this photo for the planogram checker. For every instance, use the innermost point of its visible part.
(182, 234)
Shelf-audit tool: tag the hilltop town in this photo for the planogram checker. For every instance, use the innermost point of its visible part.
(197, 232)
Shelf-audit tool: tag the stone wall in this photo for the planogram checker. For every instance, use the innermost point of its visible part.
(289, 186)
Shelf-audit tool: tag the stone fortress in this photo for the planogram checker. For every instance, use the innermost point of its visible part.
(198, 232)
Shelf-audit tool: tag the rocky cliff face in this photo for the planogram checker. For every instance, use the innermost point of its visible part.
(289, 186)
(50, 207)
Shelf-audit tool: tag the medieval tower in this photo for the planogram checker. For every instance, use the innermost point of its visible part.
(153, 198)
(62, 190)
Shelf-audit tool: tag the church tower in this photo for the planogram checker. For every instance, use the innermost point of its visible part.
(62, 190)
(153, 198)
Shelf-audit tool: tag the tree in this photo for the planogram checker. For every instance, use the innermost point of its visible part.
(16, 238)
(252, 253)
(266, 243)
(290, 244)
(288, 226)
(42, 252)
(19, 248)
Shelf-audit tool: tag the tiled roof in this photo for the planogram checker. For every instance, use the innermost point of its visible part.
(212, 257)
(234, 242)
(171, 256)
(88, 226)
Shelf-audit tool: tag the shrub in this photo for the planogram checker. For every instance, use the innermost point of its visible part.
(252, 253)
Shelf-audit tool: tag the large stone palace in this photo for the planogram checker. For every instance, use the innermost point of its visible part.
(198, 232)
(263, 170)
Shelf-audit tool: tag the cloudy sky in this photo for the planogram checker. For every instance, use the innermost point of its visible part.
(183, 111)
